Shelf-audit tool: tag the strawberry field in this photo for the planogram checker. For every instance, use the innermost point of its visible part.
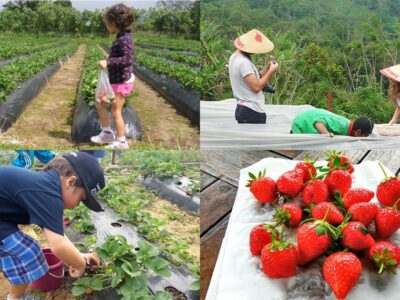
(141, 257)
(324, 229)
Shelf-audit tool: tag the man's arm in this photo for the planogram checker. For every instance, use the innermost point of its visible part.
(257, 85)
(322, 129)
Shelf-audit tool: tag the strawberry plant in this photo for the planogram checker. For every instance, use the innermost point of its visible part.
(125, 270)
(80, 219)
(175, 56)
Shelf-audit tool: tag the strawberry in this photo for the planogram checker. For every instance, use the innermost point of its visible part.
(356, 236)
(291, 182)
(341, 271)
(387, 221)
(260, 236)
(388, 191)
(338, 181)
(263, 188)
(308, 168)
(336, 160)
(288, 214)
(279, 258)
(363, 212)
(357, 195)
(314, 239)
(386, 256)
(334, 217)
(315, 192)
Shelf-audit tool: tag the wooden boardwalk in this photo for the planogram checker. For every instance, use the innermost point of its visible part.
(219, 184)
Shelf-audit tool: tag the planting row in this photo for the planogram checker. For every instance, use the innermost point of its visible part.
(13, 74)
(175, 56)
(167, 42)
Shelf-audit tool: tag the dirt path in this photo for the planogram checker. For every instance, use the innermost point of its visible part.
(162, 123)
(44, 122)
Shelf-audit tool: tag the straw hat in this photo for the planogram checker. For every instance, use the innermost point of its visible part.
(254, 41)
(392, 72)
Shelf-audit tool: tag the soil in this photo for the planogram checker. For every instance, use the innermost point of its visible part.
(44, 122)
(181, 225)
(162, 124)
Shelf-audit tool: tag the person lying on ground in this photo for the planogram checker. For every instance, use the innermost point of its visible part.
(40, 197)
(246, 82)
(321, 121)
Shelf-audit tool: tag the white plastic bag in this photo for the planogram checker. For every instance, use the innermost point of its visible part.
(104, 91)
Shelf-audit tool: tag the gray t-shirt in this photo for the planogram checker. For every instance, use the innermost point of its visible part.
(239, 67)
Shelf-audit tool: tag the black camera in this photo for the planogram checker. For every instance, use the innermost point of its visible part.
(269, 88)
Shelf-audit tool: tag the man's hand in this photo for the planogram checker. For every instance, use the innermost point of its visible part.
(273, 66)
(76, 272)
(393, 121)
(102, 64)
(92, 259)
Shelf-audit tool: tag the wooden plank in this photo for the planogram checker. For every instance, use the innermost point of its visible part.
(216, 201)
(389, 158)
(288, 153)
(210, 245)
(354, 155)
(206, 180)
(226, 165)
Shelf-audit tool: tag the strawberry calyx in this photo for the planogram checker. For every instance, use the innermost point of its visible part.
(282, 217)
(277, 243)
(335, 158)
(385, 261)
(253, 177)
(323, 227)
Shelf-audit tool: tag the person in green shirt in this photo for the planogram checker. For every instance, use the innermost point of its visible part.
(321, 121)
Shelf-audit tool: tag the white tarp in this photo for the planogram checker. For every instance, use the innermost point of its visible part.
(237, 274)
(219, 129)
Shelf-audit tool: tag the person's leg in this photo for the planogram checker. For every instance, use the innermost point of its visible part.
(106, 135)
(24, 159)
(44, 156)
(116, 110)
(17, 291)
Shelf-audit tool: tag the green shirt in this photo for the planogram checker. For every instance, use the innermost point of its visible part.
(304, 122)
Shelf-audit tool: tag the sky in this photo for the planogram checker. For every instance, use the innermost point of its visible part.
(93, 4)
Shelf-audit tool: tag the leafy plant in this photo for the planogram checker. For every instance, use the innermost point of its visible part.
(80, 219)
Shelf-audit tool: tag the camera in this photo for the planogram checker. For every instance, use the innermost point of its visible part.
(269, 88)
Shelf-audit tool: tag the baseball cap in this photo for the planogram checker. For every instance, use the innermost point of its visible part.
(91, 174)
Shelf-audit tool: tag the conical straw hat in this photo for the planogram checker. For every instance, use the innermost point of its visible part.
(392, 72)
(254, 41)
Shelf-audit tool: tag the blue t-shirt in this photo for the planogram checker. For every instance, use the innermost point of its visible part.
(30, 197)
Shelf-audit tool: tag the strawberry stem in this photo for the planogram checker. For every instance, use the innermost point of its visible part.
(383, 170)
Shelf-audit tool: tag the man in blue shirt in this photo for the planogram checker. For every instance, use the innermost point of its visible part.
(31, 197)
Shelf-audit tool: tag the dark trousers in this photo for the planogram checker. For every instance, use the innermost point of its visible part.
(243, 114)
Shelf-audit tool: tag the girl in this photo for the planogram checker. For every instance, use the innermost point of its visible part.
(395, 97)
(120, 66)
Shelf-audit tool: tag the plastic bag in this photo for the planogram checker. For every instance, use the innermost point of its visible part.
(104, 91)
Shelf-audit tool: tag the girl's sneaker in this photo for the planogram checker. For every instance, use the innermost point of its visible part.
(118, 145)
(104, 137)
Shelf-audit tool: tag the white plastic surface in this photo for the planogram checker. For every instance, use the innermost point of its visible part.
(237, 275)
(219, 130)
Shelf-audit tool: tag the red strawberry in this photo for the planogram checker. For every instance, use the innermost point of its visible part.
(288, 214)
(334, 217)
(386, 256)
(341, 271)
(339, 161)
(291, 182)
(388, 191)
(357, 195)
(363, 212)
(263, 188)
(356, 236)
(308, 168)
(338, 181)
(315, 192)
(260, 236)
(279, 259)
(387, 221)
(313, 240)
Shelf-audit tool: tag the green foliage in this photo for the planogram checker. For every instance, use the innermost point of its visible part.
(190, 60)
(80, 219)
(124, 270)
(320, 46)
(13, 74)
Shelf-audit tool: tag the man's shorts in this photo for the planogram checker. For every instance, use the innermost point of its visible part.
(243, 114)
(21, 259)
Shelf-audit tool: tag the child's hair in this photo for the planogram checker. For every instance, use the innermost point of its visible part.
(120, 15)
(394, 90)
(365, 124)
(64, 168)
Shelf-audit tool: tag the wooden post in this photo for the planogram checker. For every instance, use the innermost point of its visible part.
(329, 97)
(114, 156)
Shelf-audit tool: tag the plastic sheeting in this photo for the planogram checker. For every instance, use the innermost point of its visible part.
(237, 274)
(171, 189)
(219, 129)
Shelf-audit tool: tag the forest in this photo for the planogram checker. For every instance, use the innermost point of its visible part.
(332, 46)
